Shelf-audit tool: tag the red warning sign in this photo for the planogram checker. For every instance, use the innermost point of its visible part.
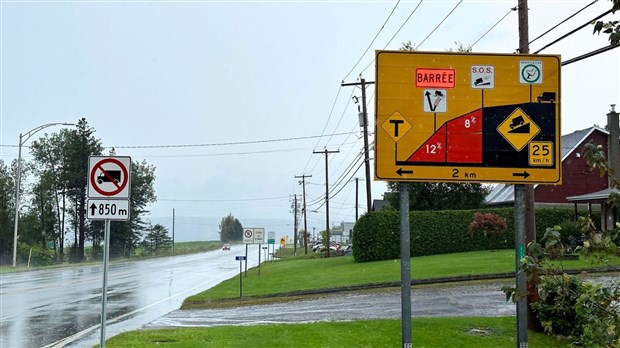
(436, 78)
(109, 177)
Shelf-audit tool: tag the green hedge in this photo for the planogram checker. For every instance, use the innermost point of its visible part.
(376, 236)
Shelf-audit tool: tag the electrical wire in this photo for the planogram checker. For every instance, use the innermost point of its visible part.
(590, 54)
(573, 31)
(501, 19)
(397, 31)
(373, 40)
(438, 25)
(234, 153)
(223, 144)
(331, 112)
(222, 200)
(557, 25)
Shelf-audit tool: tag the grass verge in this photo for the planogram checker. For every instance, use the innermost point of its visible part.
(495, 332)
(292, 275)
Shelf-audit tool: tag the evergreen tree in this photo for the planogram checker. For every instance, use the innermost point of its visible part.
(230, 229)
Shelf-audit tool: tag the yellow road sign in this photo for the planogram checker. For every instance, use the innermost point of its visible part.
(518, 129)
(465, 117)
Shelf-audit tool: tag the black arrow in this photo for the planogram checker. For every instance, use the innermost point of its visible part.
(524, 174)
(92, 208)
(428, 97)
(400, 171)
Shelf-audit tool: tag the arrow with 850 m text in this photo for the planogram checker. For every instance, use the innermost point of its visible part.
(108, 209)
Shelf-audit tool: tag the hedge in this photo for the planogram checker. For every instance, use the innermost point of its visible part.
(376, 235)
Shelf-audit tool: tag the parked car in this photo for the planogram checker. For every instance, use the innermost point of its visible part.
(226, 247)
(348, 251)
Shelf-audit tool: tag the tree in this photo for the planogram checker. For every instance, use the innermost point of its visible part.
(230, 229)
(157, 238)
(66, 155)
(612, 28)
(127, 235)
(440, 196)
(7, 210)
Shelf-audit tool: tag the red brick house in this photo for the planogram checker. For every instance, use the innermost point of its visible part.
(580, 188)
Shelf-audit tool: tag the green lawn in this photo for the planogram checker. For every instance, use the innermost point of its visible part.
(427, 332)
(310, 274)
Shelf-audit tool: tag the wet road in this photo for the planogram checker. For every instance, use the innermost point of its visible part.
(484, 299)
(62, 307)
(449, 300)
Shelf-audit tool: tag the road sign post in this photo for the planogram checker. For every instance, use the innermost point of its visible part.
(241, 259)
(109, 188)
(464, 117)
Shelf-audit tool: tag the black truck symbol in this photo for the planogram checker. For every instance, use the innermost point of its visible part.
(546, 97)
(109, 176)
(516, 122)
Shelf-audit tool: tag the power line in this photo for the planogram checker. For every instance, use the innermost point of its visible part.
(397, 31)
(223, 144)
(590, 54)
(236, 153)
(331, 112)
(438, 25)
(573, 31)
(221, 200)
(373, 40)
(557, 25)
(501, 19)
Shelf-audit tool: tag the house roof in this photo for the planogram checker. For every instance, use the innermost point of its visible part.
(602, 196)
(504, 193)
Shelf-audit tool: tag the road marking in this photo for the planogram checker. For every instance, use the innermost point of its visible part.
(70, 339)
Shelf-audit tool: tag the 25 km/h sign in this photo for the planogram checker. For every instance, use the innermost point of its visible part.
(464, 117)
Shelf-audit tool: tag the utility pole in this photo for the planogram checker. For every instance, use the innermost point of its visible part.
(172, 230)
(303, 182)
(326, 152)
(356, 198)
(295, 226)
(529, 198)
(524, 205)
(364, 118)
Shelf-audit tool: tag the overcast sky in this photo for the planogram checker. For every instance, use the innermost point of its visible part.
(171, 82)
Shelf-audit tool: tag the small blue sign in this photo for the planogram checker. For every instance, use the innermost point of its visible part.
(240, 258)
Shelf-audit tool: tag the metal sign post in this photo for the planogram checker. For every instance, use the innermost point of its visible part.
(520, 274)
(240, 259)
(109, 188)
(104, 291)
(405, 265)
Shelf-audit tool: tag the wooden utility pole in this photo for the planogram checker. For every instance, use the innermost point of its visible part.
(363, 84)
(529, 198)
(356, 198)
(303, 183)
(295, 226)
(326, 152)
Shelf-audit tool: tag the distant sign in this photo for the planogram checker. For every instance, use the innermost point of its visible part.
(254, 236)
(240, 258)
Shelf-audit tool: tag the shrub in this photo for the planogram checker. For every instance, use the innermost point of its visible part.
(376, 235)
(487, 224)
